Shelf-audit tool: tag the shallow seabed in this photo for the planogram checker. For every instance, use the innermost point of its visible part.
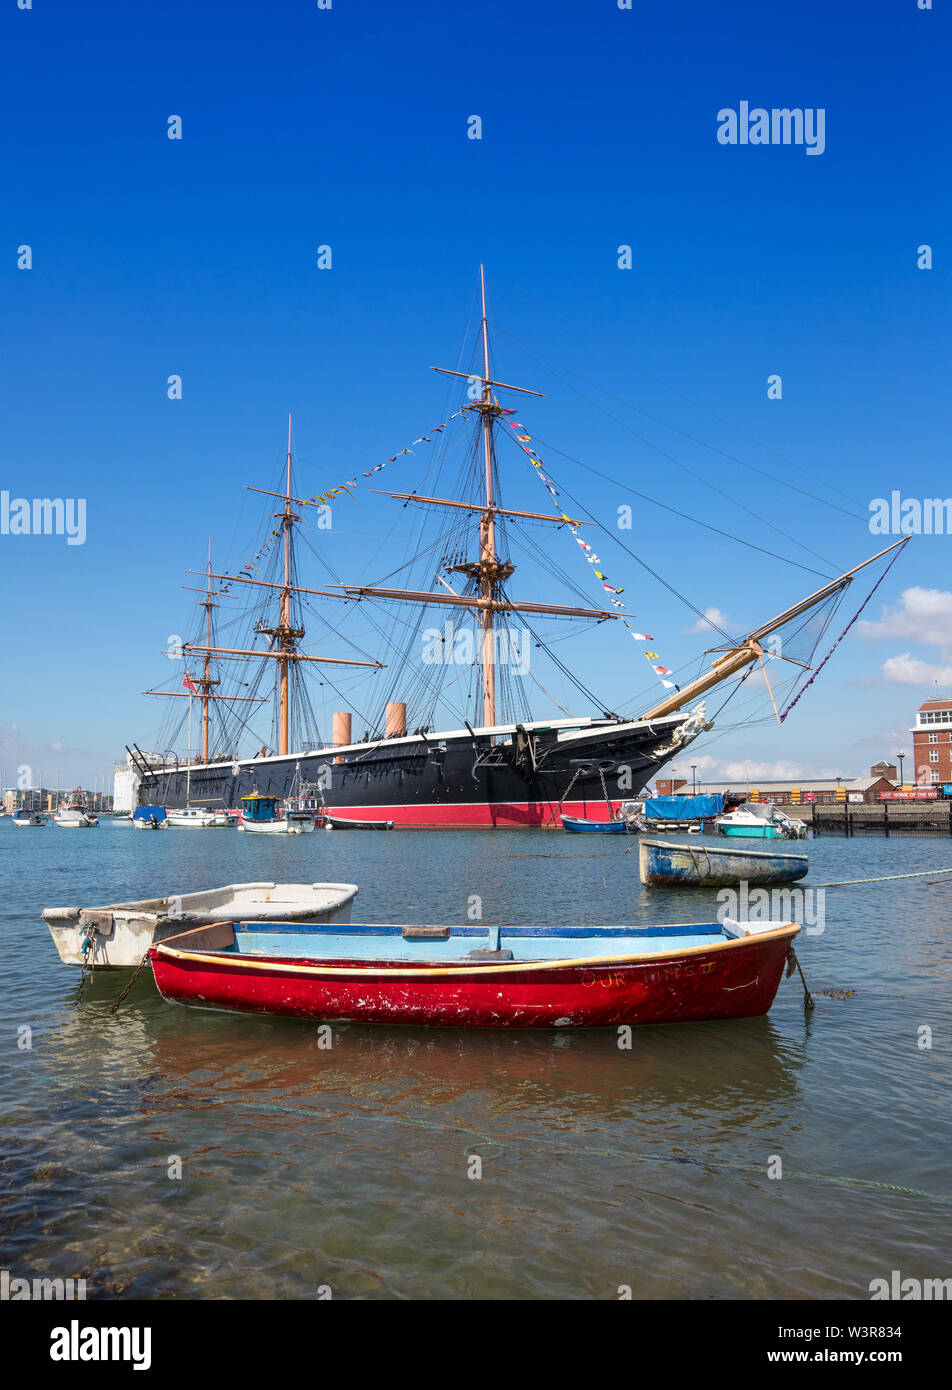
(350, 1167)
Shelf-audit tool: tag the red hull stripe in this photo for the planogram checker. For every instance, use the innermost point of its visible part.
(473, 815)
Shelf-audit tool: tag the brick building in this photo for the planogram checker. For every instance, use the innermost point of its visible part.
(932, 743)
(825, 791)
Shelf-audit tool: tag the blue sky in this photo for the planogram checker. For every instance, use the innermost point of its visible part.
(348, 128)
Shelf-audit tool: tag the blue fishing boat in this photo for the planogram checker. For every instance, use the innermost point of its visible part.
(149, 818)
(600, 827)
(667, 864)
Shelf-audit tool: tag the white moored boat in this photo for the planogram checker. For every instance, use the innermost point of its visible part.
(23, 817)
(117, 935)
(193, 818)
(74, 813)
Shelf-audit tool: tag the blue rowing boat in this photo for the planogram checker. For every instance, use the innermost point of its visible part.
(600, 827)
(667, 864)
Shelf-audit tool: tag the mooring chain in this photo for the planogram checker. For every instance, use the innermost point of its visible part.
(135, 976)
(608, 804)
(88, 965)
(794, 964)
(575, 776)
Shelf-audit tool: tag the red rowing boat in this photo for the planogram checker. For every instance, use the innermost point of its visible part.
(520, 977)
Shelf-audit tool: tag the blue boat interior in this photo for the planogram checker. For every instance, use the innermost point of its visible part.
(258, 808)
(379, 941)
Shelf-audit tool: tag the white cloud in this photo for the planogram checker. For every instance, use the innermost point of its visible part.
(923, 615)
(716, 621)
(906, 669)
(732, 770)
(771, 772)
(888, 743)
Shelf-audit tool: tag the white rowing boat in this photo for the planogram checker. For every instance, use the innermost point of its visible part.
(117, 935)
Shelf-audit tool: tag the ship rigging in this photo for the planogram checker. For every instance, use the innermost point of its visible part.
(502, 768)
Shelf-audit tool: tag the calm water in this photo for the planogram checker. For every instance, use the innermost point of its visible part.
(304, 1167)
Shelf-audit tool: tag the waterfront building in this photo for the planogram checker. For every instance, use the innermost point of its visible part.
(820, 790)
(932, 743)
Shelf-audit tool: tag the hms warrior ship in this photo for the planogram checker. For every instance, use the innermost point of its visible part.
(493, 769)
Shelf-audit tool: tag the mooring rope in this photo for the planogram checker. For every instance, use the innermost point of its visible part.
(884, 878)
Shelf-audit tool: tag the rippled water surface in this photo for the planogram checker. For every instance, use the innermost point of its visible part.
(348, 1168)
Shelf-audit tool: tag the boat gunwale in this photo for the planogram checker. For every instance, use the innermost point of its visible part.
(164, 950)
(158, 906)
(650, 843)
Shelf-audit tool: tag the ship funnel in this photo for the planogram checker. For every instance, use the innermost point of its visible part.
(396, 719)
(342, 723)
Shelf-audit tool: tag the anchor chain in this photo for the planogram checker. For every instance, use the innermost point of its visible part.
(135, 976)
(608, 805)
(575, 776)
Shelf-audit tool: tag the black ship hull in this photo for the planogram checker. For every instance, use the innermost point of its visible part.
(525, 777)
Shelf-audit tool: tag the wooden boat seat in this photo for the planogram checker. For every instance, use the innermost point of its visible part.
(426, 933)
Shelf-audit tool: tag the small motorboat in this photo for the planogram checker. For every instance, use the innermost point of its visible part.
(117, 935)
(301, 805)
(760, 820)
(149, 818)
(264, 815)
(464, 977)
(74, 813)
(192, 818)
(23, 817)
(344, 823)
(667, 864)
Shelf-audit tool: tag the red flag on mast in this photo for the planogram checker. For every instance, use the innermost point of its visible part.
(189, 684)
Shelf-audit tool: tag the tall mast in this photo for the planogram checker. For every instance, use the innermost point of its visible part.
(487, 529)
(188, 758)
(284, 635)
(285, 606)
(207, 664)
